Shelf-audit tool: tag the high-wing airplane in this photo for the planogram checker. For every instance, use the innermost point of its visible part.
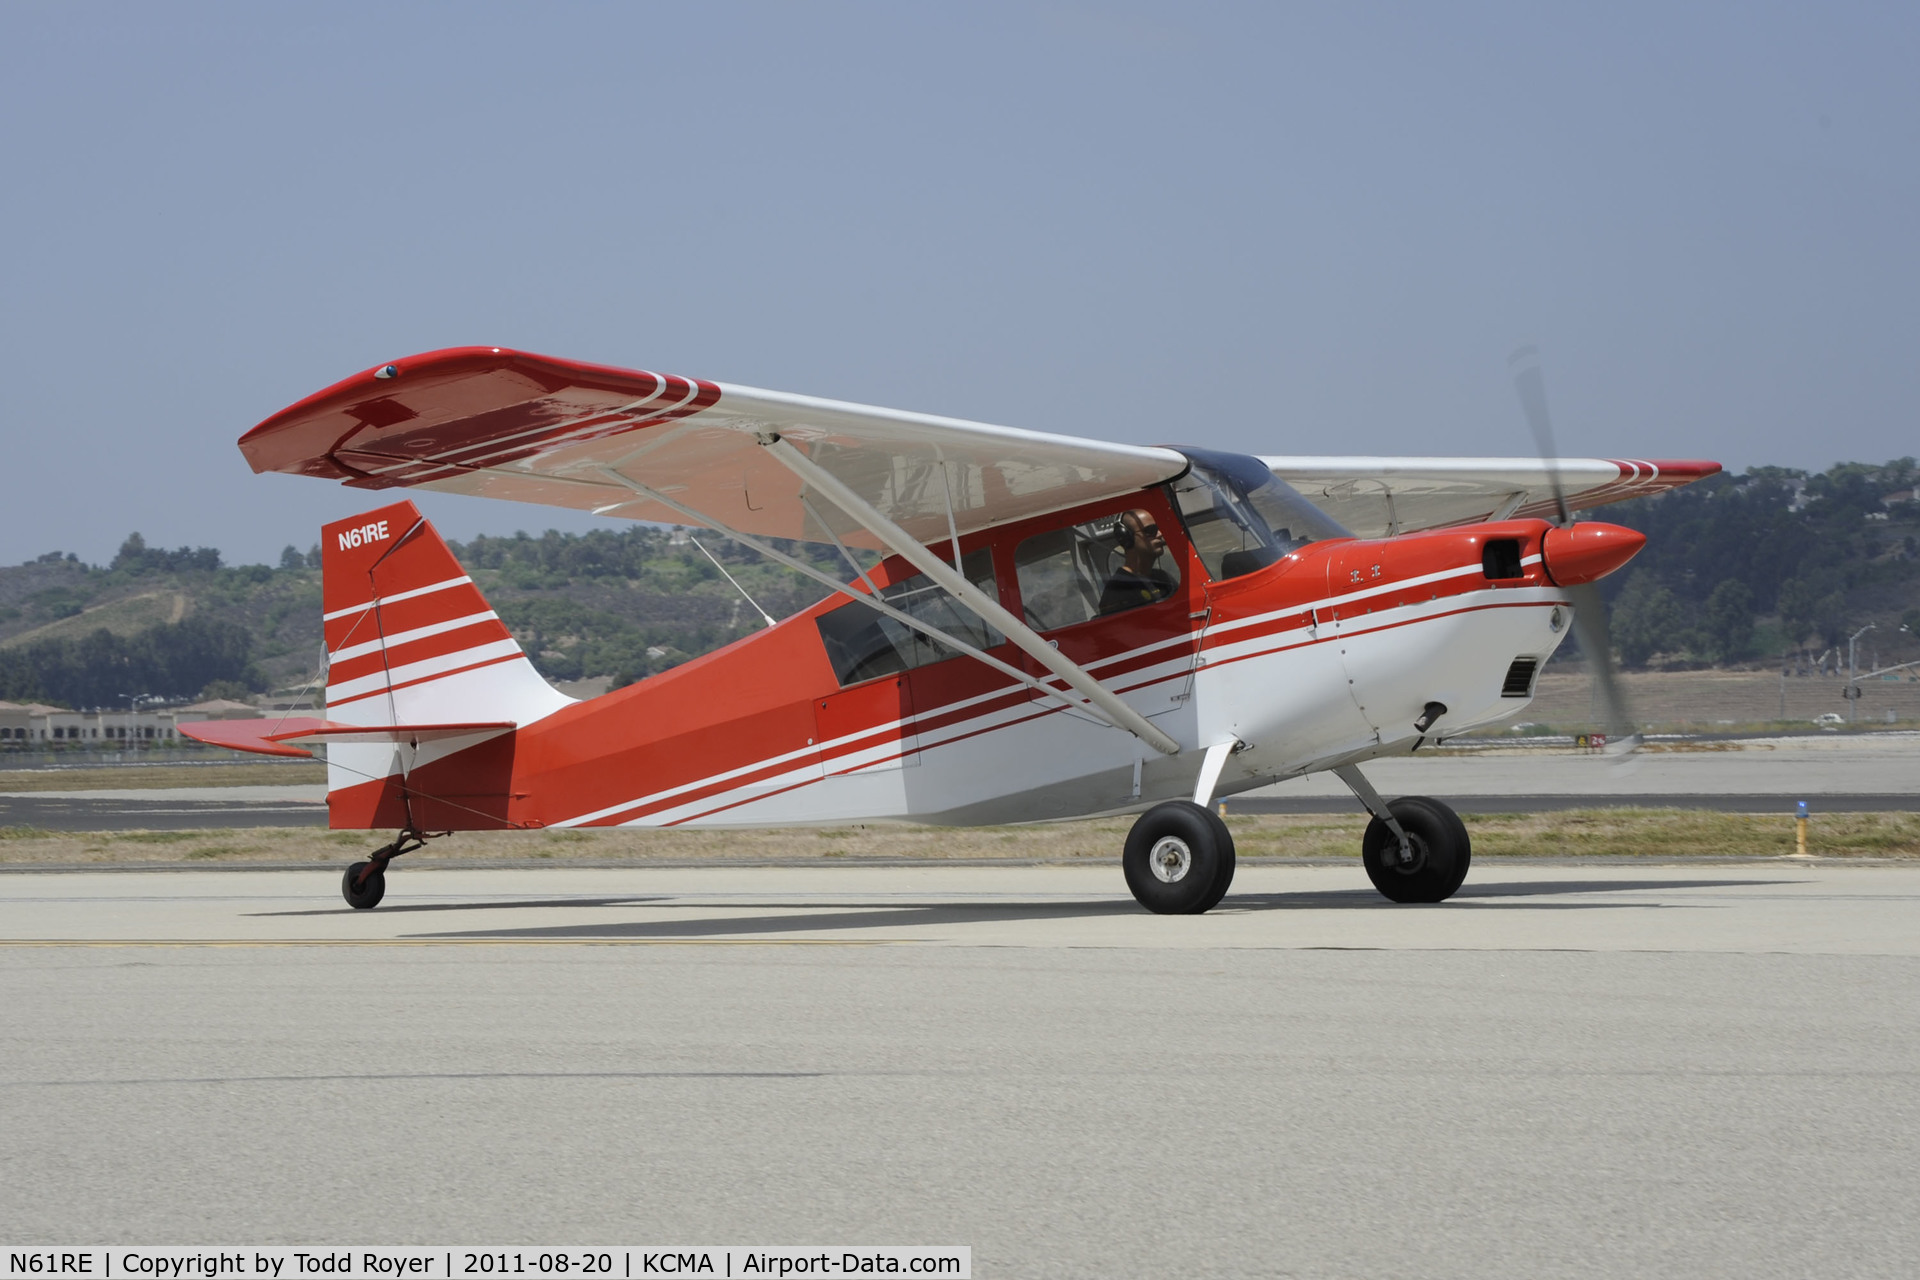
(1057, 628)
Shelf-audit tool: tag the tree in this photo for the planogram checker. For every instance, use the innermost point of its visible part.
(1830, 616)
(290, 558)
(101, 669)
(136, 557)
(1647, 619)
(1799, 603)
(232, 690)
(1727, 628)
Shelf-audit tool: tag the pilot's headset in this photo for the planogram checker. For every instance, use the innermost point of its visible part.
(1121, 534)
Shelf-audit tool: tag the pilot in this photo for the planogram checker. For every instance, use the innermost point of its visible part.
(1139, 579)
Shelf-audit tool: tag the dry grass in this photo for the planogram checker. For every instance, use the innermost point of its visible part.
(1646, 833)
(149, 777)
(1591, 833)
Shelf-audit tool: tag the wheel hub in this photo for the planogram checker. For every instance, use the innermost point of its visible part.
(1170, 859)
(1417, 855)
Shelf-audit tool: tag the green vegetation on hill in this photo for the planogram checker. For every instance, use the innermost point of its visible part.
(1736, 567)
(627, 604)
(1740, 567)
(179, 624)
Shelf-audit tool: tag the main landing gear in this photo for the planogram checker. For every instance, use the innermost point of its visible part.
(1432, 860)
(1179, 858)
(365, 883)
(1415, 849)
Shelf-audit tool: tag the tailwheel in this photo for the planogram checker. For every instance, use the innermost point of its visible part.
(1179, 859)
(1435, 860)
(365, 883)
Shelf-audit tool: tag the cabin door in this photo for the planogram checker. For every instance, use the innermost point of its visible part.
(868, 728)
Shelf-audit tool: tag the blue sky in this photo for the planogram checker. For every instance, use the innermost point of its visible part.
(1291, 229)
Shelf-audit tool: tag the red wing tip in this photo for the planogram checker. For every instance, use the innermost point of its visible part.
(1685, 470)
(445, 360)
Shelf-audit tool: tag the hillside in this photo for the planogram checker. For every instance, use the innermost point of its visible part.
(1737, 570)
(1746, 568)
(180, 624)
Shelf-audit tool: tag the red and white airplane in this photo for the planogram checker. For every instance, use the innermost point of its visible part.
(1059, 628)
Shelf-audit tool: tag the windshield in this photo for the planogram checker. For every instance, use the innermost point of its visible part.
(1242, 517)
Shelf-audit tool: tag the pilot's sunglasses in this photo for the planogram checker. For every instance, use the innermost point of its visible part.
(1151, 530)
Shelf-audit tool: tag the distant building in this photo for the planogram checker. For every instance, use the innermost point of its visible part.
(37, 725)
(59, 725)
(216, 709)
(129, 728)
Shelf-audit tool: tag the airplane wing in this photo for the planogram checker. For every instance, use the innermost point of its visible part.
(498, 423)
(1380, 497)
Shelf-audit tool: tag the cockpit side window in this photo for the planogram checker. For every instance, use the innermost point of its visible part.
(1241, 516)
(862, 644)
(1085, 571)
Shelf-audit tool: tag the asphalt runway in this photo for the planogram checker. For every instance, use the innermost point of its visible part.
(1681, 1070)
(170, 811)
(83, 811)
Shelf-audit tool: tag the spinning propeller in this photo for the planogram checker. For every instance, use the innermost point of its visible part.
(1589, 610)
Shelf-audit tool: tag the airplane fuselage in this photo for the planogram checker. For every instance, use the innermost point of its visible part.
(1325, 657)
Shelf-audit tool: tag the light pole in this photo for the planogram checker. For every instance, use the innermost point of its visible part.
(1853, 690)
(133, 717)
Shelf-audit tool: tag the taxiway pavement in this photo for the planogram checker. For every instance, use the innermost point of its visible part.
(1876, 772)
(165, 809)
(1685, 1070)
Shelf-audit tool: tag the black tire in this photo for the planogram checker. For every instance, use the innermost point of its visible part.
(1442, 852)
(1223, 878)
(363, 897)
(1193, 852)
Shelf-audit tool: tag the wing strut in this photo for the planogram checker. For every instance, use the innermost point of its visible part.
(903, 544)
(873, 601)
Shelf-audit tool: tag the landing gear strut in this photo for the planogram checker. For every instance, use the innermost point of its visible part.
(1433, 861)
(1179, 859)
(365, 883)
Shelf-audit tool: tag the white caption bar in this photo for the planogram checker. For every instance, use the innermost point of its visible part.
(367, 1262)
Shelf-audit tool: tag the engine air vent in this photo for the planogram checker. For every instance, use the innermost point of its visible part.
(1500, 558)
(1519, 682)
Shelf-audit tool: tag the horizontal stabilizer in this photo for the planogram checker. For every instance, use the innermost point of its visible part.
(279, 737)
(322, 732)
(251, 735)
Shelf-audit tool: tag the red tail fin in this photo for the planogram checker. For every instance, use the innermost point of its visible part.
(410, 640)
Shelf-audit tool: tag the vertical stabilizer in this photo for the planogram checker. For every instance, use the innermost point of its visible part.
(411, 641)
